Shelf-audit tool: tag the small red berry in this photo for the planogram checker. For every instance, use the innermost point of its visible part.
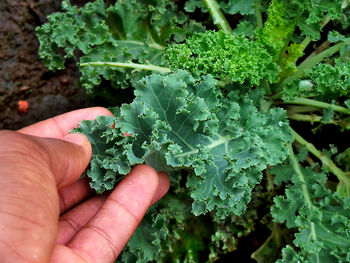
(23, 106)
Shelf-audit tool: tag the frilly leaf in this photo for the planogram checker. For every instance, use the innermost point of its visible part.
(178, 122)
(321, 217)
(127, 31)
(224, 56)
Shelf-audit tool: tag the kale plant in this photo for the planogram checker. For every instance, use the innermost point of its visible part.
(217, 89)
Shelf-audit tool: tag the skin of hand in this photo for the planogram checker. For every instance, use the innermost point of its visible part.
(48, 214)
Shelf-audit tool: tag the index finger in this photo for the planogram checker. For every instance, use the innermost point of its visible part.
(104, 237)
(59, 126)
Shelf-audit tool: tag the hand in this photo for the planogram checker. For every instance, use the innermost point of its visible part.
(45, 215)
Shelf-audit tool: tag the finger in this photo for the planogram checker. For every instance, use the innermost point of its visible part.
(66, 160)
(75, 219)
(163, 187)
(104, 237)
(71, 222)
(74, 194)
(59, 126)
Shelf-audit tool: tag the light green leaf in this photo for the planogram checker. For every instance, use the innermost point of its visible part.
(225, 56)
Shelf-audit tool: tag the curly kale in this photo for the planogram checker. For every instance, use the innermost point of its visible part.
(324, 81)
(128, 31)
(224, 56)
(178, 122)
(212, 119)
(321, 217)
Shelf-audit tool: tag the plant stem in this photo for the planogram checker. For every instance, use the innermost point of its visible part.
(301, 109)
(126, 65)
(306, 64)
(152, 43)
(326, 44)
(259, 22)
(307, 40)
(269, 181)
(275, 236)
(325, 21)
(343, 190)
(306, 117)
(218, 17)
(318, 104)
(277, 95)
(295, 163)
(342, 176)
(315, 118)
(266, 87)
(344, 4)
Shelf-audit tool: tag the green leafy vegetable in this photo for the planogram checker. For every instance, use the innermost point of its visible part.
(321, 217)
(277, 29)
(128, 31)
(224, 56)
(243, 7)
(324, 81)
(174, 124)
(212, 85)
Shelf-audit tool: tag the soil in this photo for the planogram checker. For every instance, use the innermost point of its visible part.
(22, 74)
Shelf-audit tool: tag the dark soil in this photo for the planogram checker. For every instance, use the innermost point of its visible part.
(22, 74)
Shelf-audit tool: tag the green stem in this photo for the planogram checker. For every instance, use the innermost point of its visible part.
(275, 236)
(126, 65)
(325, 45)
(301, 109)
(325, 21)
(344, 124)
(295, 163)
(307, 40)
(306, 64)
(269, 181)
(306, 117)
(343, 190)
(258, 15)
(344, 4)
(218, 17)
(318, 104)
(266, 87)
(342, 176)
(277, 95)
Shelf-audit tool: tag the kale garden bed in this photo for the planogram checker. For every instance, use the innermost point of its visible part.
(244, 103)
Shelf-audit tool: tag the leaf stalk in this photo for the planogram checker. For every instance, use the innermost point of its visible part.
(218, 17)
(126, 65)
(327, 162)
(259, 22)
(318, 104)
(309, 63)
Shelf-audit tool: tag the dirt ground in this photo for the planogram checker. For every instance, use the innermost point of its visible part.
(22, 74)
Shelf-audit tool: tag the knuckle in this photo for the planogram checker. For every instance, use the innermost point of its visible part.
(71, 223)
(105, 237)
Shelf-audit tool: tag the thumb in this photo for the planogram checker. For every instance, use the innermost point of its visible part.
(66, 158)
(31, 170)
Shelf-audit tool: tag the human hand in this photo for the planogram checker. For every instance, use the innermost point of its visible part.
(42, 216)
